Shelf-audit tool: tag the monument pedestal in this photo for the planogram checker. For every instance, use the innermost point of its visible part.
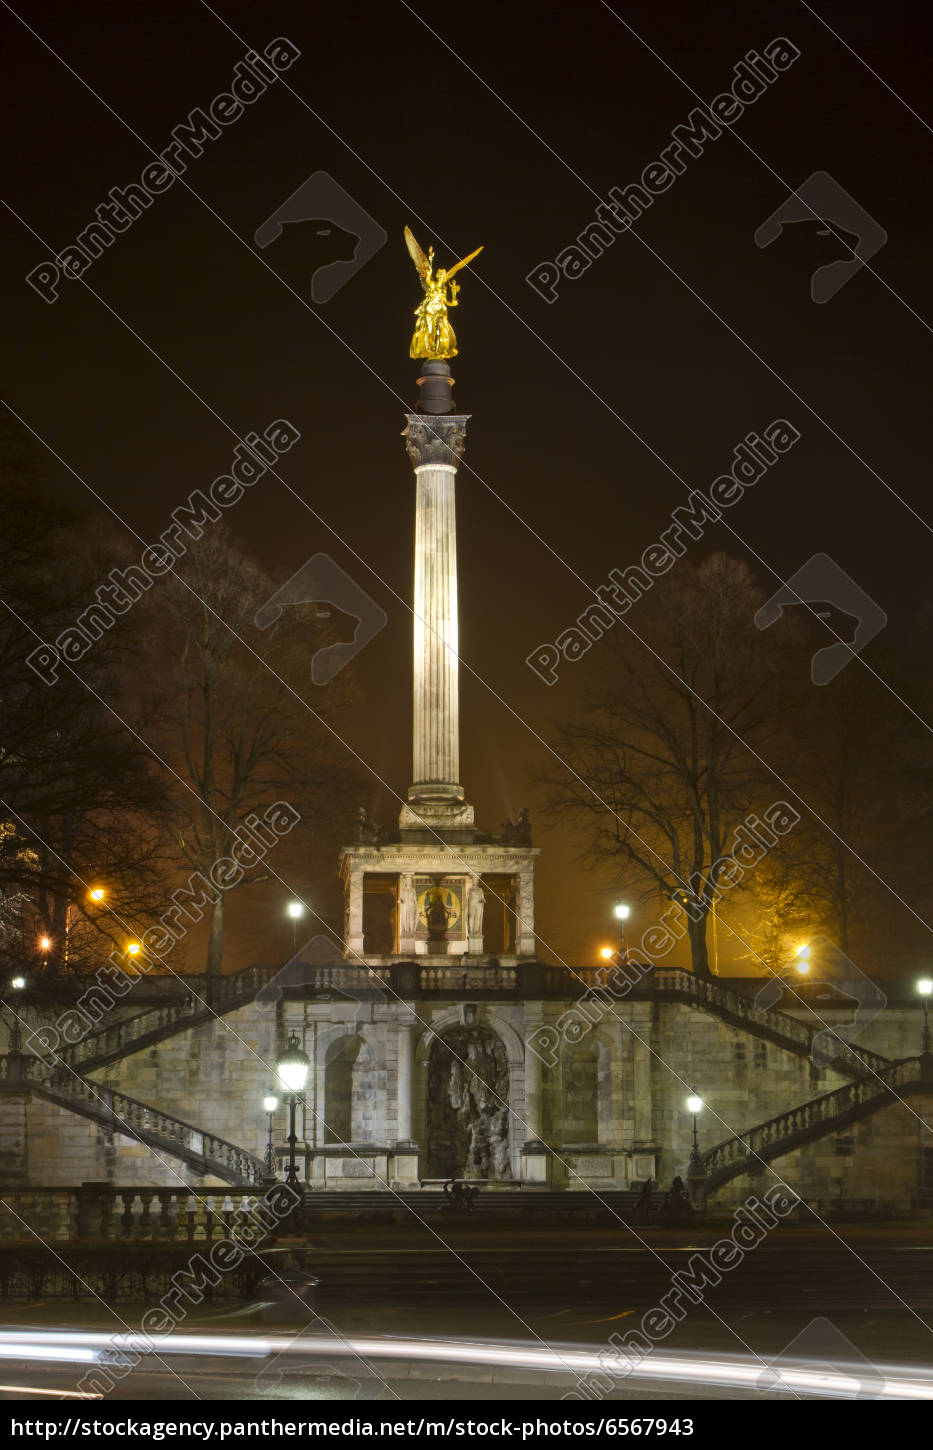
(407, 900)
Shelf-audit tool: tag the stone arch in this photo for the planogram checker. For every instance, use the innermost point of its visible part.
(452, 1016)
(468, 1122)
(577, 1095)
(348, 1089)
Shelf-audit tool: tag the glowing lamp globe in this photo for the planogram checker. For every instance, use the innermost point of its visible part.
(292, 1067)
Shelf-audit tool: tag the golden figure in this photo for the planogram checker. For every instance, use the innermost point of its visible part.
(434, 337)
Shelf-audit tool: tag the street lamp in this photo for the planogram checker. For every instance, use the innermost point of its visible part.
(925, 988)
(802, 961)
(606, 953)
(270, 1102)
(622, 915)
(695, 1106)
(292, 1068)
(296, 911)
(16, 1042)
(97, 893)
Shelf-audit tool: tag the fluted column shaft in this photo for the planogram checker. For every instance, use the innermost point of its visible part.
(436, 739)
(435, 446)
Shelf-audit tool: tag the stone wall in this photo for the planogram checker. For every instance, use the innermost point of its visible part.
(44, 1144)
(612, 1103)
(884, 1162)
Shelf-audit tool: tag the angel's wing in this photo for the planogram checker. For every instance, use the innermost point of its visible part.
(422, 266)
(457, 265)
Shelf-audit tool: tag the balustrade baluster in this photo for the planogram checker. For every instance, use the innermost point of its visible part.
(128, 1196)
(164, 1226)
(145, 1219)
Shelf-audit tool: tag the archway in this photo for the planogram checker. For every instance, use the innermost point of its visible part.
(468, 1095)
(347, 1090)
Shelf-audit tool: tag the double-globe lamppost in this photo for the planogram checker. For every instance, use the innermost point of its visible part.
(292, 1068)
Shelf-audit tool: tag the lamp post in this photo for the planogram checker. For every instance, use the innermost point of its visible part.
(17, 984)
(925, 988)
(270, 1102)
(296, 911)
(622, 915)
(695, 1106)
(292, 1068)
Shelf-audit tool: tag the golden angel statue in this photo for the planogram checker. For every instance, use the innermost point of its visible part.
(434, 337)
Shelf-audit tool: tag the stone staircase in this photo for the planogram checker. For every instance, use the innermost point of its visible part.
(205, 1153)
(773, 1026)
(749, 1151)
(225, 994)
(215, 997)
(528, 1204)
(67, 1085)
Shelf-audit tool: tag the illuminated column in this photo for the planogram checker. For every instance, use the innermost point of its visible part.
(436, 742)
(435, 442)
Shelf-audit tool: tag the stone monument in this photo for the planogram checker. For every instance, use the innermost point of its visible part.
(439, 887)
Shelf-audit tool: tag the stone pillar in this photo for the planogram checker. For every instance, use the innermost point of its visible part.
(404, 1158)
(535, 1157)
(641, 1080)
(525, 912)
(405, 1084)
(436, 742)
(435, 446)
(354, 909)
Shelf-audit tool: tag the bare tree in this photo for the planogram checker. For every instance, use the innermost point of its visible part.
(662, 761)
(80, 800)
(239, 723)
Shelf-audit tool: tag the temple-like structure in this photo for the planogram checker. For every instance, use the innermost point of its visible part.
(439, 887)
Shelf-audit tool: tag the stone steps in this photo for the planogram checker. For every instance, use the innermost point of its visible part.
(829, 1113)
(206, 1153)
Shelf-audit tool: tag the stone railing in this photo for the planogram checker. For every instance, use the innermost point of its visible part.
(464, 978)
(411, 980)
(779, 1027)
(102, 1213)
(748, 1151)
(204, 1152)
(212, 997)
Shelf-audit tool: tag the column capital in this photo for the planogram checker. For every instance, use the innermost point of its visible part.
(433, 440)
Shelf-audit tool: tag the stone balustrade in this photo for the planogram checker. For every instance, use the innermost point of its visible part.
(99, 1213)
(205, 1152)
(825, 1114)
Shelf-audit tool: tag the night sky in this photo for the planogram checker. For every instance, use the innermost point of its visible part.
(591, 417)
